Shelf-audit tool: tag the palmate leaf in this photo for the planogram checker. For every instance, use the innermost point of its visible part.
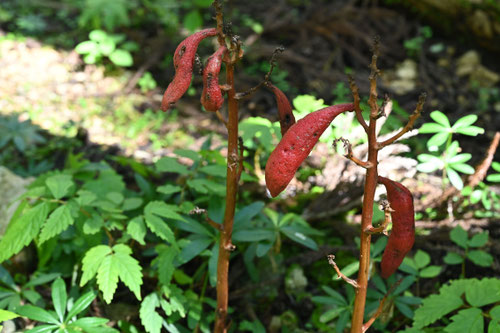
(468, 320)
(129, 270)
(59, 185)
(107, 278)
(165, 262)
(91, 262)
(22, 230)
(435, 307)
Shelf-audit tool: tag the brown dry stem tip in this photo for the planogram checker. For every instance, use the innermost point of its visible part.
(331, 261)
(357, 107)
(380, 308)
(409, 126)
(382, 228)
(349, 154)
(198, 210)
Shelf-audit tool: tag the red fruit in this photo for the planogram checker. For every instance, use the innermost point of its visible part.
(284, 109)
(403, 226)
(183, 63)
(296, 145)
(211, 97)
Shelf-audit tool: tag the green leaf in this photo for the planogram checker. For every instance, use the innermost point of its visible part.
(479, 239)
(460, 158)
(162, 209)
(468, 320)
(192, 20)
(58, 221)
(453, 258)
(36, 313)
(247, 213)
(465, 121)
(44, 329)
(459, 236)
(430, 272)
(454, 178)
(494, 326)
(435, 307)
(129, 270)
(93, 224)
(206, 186)
(90, 323)
(440, 118)
(422, 259)
(335, 295)
(107, 278)
(92, 260)
(431, 128)
(160, 228)
(59, 297)
(169, 189)
(150, 318)
(483, 292)
(81, 304)
(170, 164)
(495, 178)
(86, 47)
(471, 130)
(298, 236)
(22, 230)
(438, 139)
(194, 248)
(495, 313)
(331, 314)
(165, 263)
(253, 235)
(121, 58)
(463, 168)
(7, 315)
(98, 35)
(59, 185)
(137, 229)
(214, 170)
(480, 258)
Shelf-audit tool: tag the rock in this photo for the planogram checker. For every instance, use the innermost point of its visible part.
(469, 64)
(405, 77)
(11, 187)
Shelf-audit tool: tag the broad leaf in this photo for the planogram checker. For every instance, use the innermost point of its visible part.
(59, 185)
(435, 307)
(468, 320)
(59, 220)
(129, 270)
(483, 292)
(440, 118)
(459, 236)
(59, 297)
(81, 304)
(92, 260)
(480, 258)
(150, 318)
(36, 313)
(107, 278)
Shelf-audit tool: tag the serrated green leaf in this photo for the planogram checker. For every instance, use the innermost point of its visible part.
(170, 164)
(22, 230)
(162, 209)
(431, 128)
(107, 278)
(59, 297)
(459, 236)
(440, 118)
(480, 258)
(479, 239)
(150, 318)
(93, 224)
(129, 270)
(430, 272)
(160, 228)
(36, 313)
(468, 320)
(435, 307)
(59, 220)
(165, 263)
(81, 304)
(169, 189)
(137, 229)
(206, 186)
(59, 185)
(214, 170)
(422, 259)
(91, 262)
(483, 292)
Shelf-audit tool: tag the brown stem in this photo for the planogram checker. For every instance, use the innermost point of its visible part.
(331, 261)
(368, 199)
(225, 244)
(380, 308)
(409, 125)
(382, 228)
(198, 210)
(357, 108)
(349, 154)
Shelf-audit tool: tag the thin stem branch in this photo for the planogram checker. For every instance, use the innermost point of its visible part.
(221, 118)
(349, 154)
(382, 228)
(409, 126)
(241, 148)
(380, 308)
(212, 223)
(331, 261)
(357, 107)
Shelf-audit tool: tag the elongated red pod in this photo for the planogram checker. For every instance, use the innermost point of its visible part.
(284, 109)
(403, 226)
(211, 97)
(183, 62)
(296, 145)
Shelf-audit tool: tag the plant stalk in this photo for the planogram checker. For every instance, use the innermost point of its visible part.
(225, 244)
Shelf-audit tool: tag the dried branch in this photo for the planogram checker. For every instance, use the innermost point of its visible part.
(331, 261)
(357, 108)
(267, 77)
(221, 117)
(382, 228)
(409, 125)
(374, 73)
(349, 155)
(198, 210)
